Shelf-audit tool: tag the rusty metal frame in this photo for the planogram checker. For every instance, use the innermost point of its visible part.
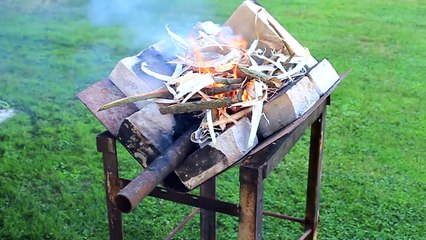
(253, 170)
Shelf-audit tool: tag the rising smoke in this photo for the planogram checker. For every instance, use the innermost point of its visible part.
(144, 21)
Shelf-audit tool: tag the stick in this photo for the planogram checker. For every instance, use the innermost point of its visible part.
(218, 90)
(196, 106)
(271, 81)
(162, 93)
(228, 81)
(234, 117)
(288, 60)
(241, 90)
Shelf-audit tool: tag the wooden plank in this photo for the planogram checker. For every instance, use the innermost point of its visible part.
(288, 106)
(209, 161)
(213, 159)
(147, 133)
(131, 80)
(253, 22)
(102, 93)
(284, 131)
(323, 76)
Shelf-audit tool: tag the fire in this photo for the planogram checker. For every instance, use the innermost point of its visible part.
(235, 71)
(221, 95)
(202, 60)
(199, 58)
(236, 41)
(246, 96)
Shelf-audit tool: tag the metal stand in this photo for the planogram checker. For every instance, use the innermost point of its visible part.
(253, 170)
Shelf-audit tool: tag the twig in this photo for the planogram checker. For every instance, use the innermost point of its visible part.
(221, 110)
(162, 93)
(234, 117)
(219, 90)
(228, 81)
(288, 60)
(271, 81)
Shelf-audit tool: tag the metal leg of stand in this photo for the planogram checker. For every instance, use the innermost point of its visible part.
(314, 177)
(107, 146)
(208, 218)
(251, 203)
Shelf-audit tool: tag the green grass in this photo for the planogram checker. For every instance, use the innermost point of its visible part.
(374, 184)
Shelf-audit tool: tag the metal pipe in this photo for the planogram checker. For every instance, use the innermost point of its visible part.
(127, 199)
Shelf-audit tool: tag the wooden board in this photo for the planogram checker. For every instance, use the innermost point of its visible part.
(323, 76)
(213, 159)
(147, 133)
(253, 22)
(131, 80)
(102, 93)
(288, 106)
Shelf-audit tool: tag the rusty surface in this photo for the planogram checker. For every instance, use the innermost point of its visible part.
(106, 145)
(270, 156)
(252, 173)
(160, 167)
(314, 176)
(251, 203)
(207, 217)
(105, 142)
(101, 93)
(191, 200)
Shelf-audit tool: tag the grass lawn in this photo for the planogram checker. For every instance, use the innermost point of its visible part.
(374, 177)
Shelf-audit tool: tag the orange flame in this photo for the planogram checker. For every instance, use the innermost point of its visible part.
(235, 42)
(199, 58)
(246, 96)
(235, 71)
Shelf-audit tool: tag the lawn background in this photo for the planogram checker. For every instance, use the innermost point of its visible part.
(374, 184)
